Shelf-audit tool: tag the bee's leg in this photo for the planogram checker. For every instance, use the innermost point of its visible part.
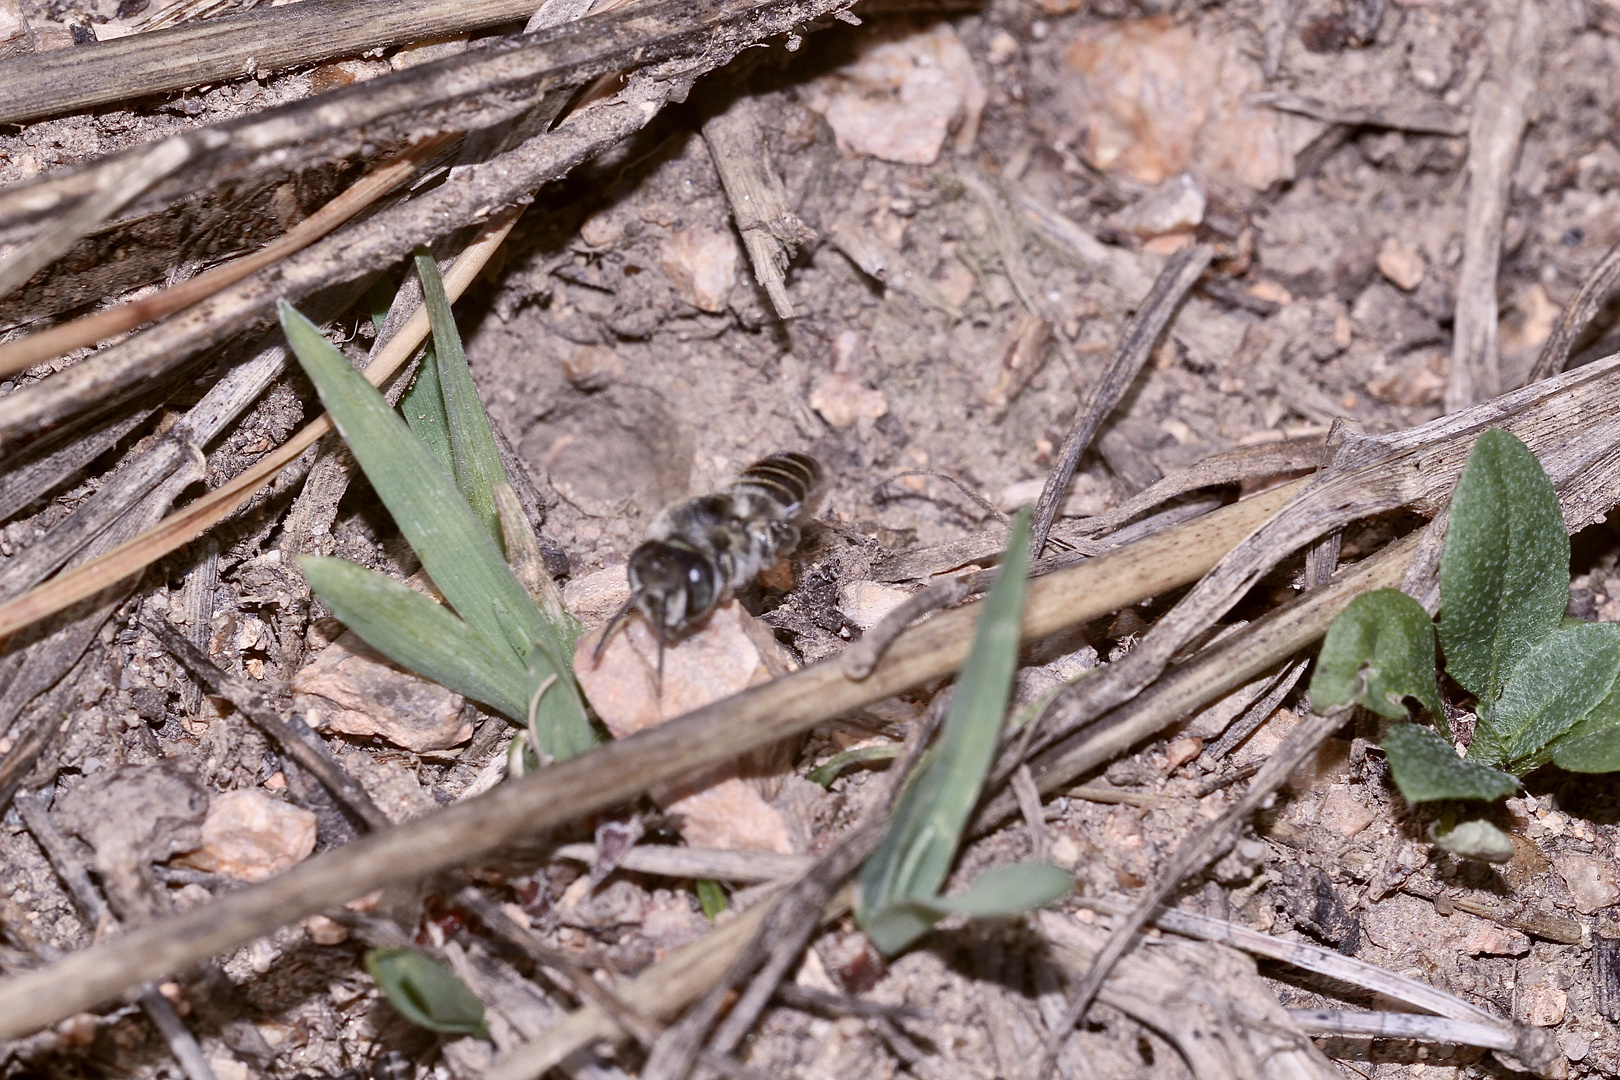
(612, 624)
(658, 677)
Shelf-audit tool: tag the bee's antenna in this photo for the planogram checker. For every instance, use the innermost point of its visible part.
(607, 631)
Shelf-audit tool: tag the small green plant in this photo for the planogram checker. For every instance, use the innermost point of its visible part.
(425, 992)
(1544, 687)
(493, 642)
(900, 883)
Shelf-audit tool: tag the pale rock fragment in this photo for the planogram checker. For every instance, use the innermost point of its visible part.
(13, 30)
(593, 598)
(1401, 263)
(1544, 1005)
(1418, 378)
(702, 265)
(732, 651)
(1592, 881)
(593, 367)
(1180, 751)
(249, 836)
(1156, 97)
(324, 931)
(1485, 938)
(865, 603)
(901, 98)
(227, 1067)
(841, 399)
(351, 689)
(1175, 206)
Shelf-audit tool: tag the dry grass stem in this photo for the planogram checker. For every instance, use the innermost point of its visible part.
(36, 348)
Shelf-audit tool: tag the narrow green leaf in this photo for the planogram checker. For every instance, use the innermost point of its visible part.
(423, 408)
(827, 772)
(712, 898)
(454, 547)
(1560, 681)
(472, 444)
(425, 992)
(379, 298)
(1504, 576)
(1004, 891)
(556, 711)
(457, 552)
(916, 853)
(994, 894)
(1378, 653)
(1426, 768)
(416, 633)
(1475, 840)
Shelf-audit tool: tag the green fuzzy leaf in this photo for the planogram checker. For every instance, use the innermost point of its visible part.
(472, 444)
(1479, 840)
(1378, 653)
(425, 992)
(416, 633)
(916, 853)
(1598, 752)
(1504, 577)
(1551, 689)
(1426, 768)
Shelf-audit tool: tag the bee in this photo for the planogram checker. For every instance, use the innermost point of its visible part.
(699, 551)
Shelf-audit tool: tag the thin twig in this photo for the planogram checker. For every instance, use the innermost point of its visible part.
(785, 932)
(290, 732)
(36, 348)
(118, 187)
(94, 911)
(1134, 348)
(1260, 711)
(1588, 302)
(1300, 743)
(1493, 148)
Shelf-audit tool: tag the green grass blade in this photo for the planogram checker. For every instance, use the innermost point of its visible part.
(472, 445)
(413, 631)
(826, 773)
(425, 992)
(379, 298)
(916, 853)
(422, 406)
(558, 719)
(1004, 891)
(454, 547)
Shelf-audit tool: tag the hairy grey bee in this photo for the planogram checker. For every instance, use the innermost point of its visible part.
(698, 551)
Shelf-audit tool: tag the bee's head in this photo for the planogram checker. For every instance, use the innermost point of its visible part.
(672, 587)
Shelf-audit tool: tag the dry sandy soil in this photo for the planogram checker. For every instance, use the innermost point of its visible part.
(621, 344)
